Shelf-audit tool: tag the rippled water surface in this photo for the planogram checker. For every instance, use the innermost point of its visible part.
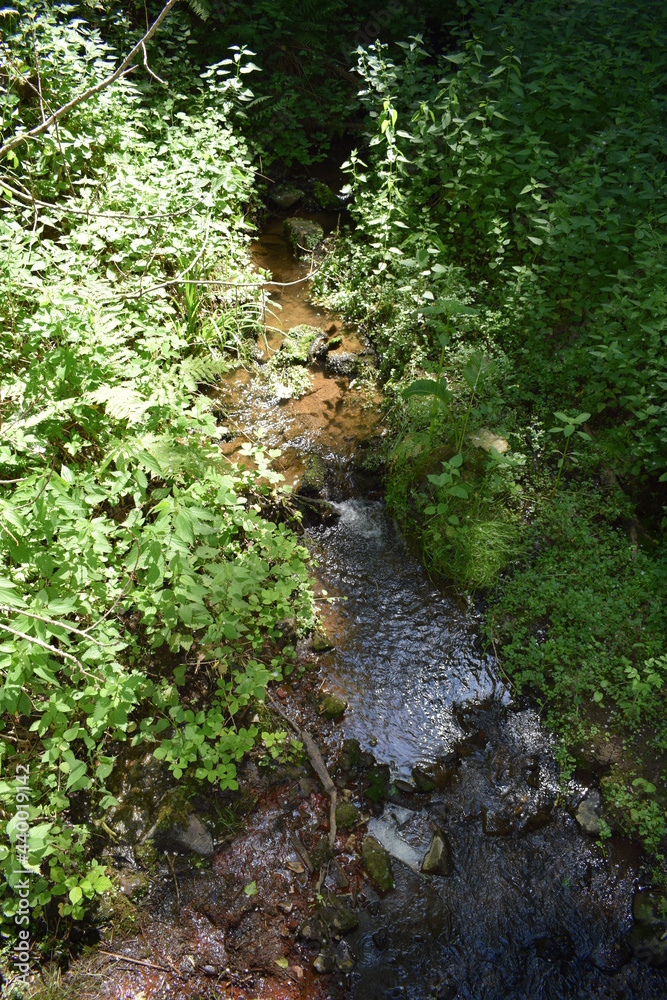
(406, 654)
(531, 908)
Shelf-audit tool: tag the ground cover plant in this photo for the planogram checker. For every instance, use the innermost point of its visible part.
(509, 209)
(131, 552)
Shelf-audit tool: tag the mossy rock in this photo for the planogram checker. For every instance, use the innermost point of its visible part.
(347, 815)
(325, 196)
(321, 642)
(302, 234)
(377, 783)
(313, 480)
(297, 347)
(378, 864)
(331, 706)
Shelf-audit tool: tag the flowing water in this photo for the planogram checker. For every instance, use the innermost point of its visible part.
(531, 906)
(527, 905)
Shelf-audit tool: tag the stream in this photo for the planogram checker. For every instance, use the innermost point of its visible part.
(531, 906)
(524, 903)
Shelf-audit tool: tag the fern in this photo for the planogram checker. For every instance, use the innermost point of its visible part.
(201, 8)
(194, 371)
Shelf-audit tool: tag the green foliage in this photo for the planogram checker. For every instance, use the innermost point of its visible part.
(131, 552)
(475, 172)
(585, 595)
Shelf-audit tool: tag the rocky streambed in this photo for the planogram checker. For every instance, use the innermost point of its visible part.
(460, 868)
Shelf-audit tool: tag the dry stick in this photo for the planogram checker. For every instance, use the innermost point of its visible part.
(319, 766)
(91, 91)
(135, 961)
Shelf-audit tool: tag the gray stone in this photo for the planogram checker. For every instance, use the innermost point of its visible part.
(285, 195)
(343, 957)
(192, 837)
(587, 815)
(438, 858)
(325, 962)
(342, 365)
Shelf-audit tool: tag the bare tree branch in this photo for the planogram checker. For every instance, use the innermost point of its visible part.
(91, 91)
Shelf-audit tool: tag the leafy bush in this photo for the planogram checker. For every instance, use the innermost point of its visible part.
(131, 552)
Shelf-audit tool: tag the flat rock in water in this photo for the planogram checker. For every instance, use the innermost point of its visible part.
(191, 837)
(587, 815)
(302, 234)
(378, 864)
(342, 365)
(438, 858)
(285, 195)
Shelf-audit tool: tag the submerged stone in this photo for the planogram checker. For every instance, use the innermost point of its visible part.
(321, 642)
(190, 837)
(378, 863)
(313, 479)
(648, 937)
(495, 823)
(302, 234)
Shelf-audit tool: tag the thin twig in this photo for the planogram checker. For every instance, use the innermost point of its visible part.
(135, 961)
(91, 91)
(51, 649)
(319, 766)
(65, 210)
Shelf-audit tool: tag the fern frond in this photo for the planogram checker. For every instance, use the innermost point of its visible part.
(201, 8)
(203, 370)
(122, 402)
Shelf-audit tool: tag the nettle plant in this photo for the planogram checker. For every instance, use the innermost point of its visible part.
(132, 554)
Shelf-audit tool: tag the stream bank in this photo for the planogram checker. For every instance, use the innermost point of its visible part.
(432, 761)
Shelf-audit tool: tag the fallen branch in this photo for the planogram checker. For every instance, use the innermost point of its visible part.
(91, 91)
(319, 767)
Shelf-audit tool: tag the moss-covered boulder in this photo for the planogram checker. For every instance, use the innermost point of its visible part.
(325, 197)
(314, 478)
(302, 234)
(321, 642)
(331, 706)
(378, 864)
(300, 345)
(347, 815)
